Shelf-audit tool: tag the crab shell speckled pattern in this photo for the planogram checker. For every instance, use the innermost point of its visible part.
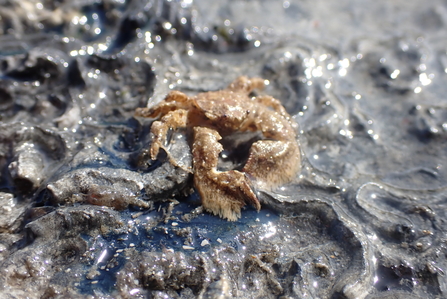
(212, 115)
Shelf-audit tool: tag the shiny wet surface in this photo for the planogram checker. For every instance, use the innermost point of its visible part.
(364, 219)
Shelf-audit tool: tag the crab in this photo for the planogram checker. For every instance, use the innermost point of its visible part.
(272, 161)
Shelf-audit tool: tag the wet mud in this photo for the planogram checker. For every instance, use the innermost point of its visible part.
(85, 212)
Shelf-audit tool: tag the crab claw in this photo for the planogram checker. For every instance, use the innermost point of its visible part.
(223, 193)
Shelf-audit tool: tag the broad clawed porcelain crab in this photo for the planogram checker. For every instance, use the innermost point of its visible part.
(272, 161)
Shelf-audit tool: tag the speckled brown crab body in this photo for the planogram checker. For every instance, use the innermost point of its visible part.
(272, 161)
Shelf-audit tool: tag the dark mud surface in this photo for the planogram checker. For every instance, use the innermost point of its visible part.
(85, 213)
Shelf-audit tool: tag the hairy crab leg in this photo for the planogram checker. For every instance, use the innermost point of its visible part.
(273, 103)
(173, 101)
(159, 129)
(273, 162)
(246, 84)
(277, 159)
(222, 193)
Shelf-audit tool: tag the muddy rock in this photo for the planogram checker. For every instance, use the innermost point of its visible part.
(86, 212)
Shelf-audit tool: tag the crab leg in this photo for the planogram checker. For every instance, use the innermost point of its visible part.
(246, 84)
(222, 193)
(159, 129)
(274, 104)
(173, 101)
(277, 159)
(273, 162)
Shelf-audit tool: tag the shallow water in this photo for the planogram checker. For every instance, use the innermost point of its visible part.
(86, 212)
